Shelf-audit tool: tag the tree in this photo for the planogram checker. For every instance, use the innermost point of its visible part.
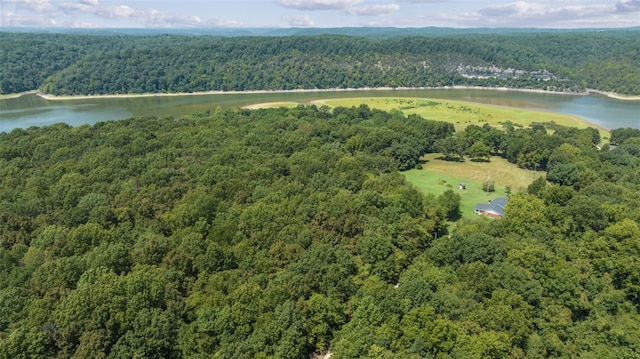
(449, 146)
(479, 151)
(357, 336)
(450, 203)
(625, 229)
(586, 212)
(620, 135)
(537, 187)
(325, 315)
(508, 312)
(406, 154)
(524, 212)
(495, 139)
(488, 185)
(377, 250)
(566, 174)
(490, 344)
(243, 234)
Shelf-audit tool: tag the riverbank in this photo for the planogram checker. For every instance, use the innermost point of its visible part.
(614, 95)
(33, 110)
(202, 93)
(16, 95)
(81, 97)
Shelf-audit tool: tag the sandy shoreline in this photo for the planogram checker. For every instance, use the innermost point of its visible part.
(615, 95)
(80, 97)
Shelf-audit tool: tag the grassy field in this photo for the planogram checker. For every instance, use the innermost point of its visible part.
(438, 176)
(462, 114)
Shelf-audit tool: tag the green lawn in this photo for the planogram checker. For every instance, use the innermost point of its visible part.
(438, 176)
(436, 183)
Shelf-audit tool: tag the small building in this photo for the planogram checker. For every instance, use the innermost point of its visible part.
(494, 208)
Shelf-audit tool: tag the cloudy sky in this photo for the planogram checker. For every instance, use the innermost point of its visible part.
(319, 13)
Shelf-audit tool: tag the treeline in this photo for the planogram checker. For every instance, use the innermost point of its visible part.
(278, 233)
(74, 64)
(531, 147)
(29, 59)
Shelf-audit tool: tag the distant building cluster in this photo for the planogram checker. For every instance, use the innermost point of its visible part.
(485, 72)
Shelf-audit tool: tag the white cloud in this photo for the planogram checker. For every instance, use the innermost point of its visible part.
(115, 12)
(222, 23)
(423, 1)
(349, 7)
(522, 14)
(400, 13)
(319, 4)
(302, 20)
(373, 10)
(578, 12)
(149, 17)
(8, 18)
(107, 12)
(628, 5)
(70, 8)
(155, 18)
(39, 6)
(513, 8)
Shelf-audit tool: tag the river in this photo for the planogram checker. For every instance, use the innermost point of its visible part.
(32, 110)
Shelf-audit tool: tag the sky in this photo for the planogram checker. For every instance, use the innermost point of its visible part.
(319, 13)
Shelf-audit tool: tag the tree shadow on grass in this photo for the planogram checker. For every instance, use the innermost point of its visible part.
(450, 159)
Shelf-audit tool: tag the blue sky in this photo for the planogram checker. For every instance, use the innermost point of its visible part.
(319, 13)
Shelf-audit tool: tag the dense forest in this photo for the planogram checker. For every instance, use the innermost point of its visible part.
(283, 232)
(91, 64)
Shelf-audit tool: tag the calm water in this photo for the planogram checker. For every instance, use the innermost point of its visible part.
(31, 110)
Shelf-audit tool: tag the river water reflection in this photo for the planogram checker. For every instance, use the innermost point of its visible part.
(32, 110)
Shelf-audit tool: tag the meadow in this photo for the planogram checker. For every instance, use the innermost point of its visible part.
(463, 114)
(438, 175)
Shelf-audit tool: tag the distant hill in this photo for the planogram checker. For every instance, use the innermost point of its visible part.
(308, 31)
(129, 61)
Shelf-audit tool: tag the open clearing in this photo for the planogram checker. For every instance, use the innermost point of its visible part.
(460, 113)
(463, 114)
(438, 176)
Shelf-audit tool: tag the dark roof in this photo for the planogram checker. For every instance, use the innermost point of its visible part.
(496, 206)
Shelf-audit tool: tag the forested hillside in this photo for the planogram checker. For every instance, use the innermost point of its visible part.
(84, 64)
(278, 233)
